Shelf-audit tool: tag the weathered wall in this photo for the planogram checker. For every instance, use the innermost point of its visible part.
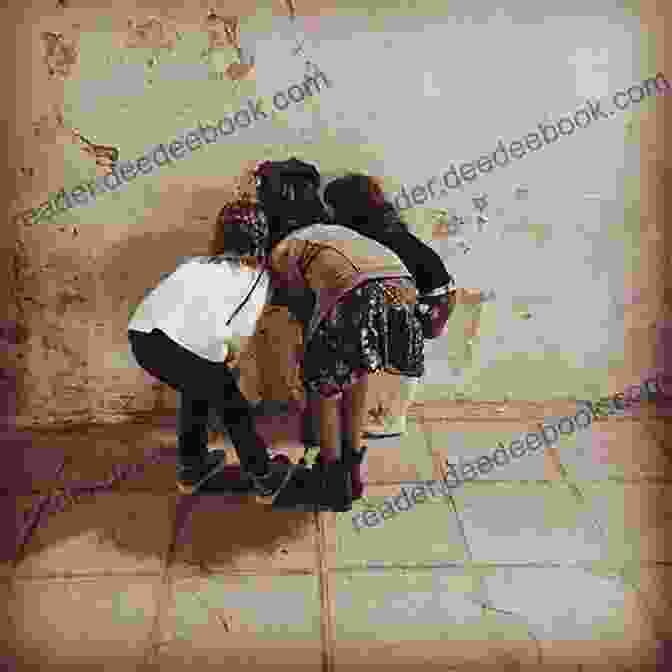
(578, 276)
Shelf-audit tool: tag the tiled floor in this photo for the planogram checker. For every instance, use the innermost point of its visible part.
(557, 561)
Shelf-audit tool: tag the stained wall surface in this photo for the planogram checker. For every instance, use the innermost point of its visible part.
(569, 253)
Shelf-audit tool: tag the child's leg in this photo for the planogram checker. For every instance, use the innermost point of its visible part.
(329, 414)
(268, 476)
(235, 412)
(354, 410)
(195, 463)
(165, 360)
(192, 427)
(336, 482)
(198, 377)
(354, 399)
(310, 435)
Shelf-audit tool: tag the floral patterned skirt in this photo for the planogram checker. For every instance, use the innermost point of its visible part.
(372, 328)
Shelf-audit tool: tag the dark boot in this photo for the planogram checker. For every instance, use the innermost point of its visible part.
(358, 470)
(357, 466)
(335, 484)
(301, 493)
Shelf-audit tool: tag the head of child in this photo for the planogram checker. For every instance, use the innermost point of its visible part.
(288, 192)
(358, 201)
(241, 232)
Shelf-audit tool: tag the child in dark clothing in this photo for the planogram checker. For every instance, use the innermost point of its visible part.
(359, 203)
(356, 300)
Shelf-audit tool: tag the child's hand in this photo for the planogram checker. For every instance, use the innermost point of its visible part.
(236, 346)
(232, 358)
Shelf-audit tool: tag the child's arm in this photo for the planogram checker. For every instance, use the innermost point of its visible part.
(233, 347)
(470, 297)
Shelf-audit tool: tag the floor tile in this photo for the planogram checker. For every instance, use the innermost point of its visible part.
(101, 623)
(103, 532)
(620, 449)
(460, 443)
(400, 458)
(427, 533)
(18, 515)
(32, 461)
(225, 532)
(129, 457)
(637, 519)
(408, 618)
(610, 655)
(566, 603)
(527, 522)
(241, 622)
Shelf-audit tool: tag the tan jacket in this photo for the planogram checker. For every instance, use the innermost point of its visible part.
(329, 261)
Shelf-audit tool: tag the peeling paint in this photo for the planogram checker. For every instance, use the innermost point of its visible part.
(60, 55)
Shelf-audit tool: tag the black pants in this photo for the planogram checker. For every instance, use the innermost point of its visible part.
(202, 384)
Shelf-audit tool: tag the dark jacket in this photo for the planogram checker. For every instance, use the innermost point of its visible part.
(424, 264)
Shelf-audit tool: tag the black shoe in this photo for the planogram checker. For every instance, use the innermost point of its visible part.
(192, 474)
(269, 485)
(232, 479)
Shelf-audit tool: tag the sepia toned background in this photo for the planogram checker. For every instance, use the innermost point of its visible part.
(574, 255)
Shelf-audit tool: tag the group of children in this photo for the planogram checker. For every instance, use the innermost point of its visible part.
(366, 291)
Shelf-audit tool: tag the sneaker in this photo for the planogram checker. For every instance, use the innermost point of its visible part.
(232, 479)
(270, 485)
(192, 474)
(278, 458)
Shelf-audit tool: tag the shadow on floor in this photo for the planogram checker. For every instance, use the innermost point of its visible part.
(117, 484)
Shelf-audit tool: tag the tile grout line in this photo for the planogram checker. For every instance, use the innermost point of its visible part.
(431, 564)
(642, 602)
(422, 411)
(162, 599)
(653, 480)
(484, 602)
(33, 522)
(326, 598)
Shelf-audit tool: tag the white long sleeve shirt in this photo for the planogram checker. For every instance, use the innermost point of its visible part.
(193, 303)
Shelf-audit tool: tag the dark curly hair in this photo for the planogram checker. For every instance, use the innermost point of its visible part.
(288, 192)
(359, 203)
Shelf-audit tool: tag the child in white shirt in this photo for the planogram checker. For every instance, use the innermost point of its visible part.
(187, 329)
